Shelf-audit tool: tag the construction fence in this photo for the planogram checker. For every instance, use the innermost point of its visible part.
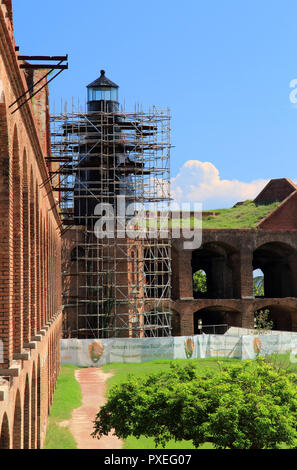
(95, 353)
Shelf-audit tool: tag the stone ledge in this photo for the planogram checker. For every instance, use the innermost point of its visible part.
(23, 356)
(11, 372)
(3, 392)
(31, 345)
(37, 338)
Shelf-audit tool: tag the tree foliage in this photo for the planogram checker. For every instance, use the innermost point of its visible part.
(262, 321)
(250, 405)
(258, 286)
(200, 282)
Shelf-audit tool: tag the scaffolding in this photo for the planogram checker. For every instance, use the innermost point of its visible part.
(113, 186)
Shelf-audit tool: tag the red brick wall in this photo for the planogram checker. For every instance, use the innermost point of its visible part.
(30, 258)
(275, 190)
(283, 217)
(240, 308)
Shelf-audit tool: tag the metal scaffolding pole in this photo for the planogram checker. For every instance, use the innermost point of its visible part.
(117, 286)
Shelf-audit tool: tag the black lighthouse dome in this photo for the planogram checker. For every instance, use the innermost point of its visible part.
(103, 94)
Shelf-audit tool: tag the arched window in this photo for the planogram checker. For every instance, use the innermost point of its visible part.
(258, 280)
(275, 260)
(4, 433)
(199, 283)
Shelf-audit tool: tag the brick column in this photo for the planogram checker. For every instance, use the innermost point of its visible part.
(186, 319)
(184, 286)
(33, 262)
(6, 244)
(243, 273)
(248, 315)
(17, 198)
(26, 264)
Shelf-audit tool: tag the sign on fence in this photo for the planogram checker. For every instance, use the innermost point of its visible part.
(95, 353)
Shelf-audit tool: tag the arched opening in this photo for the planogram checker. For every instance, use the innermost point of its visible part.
(274, 317)
(38, 272)
(215, 320)
(17, 197)
(274, 261)
(33, 408)
(199, 284)
(33, 257)
(26, 423)
(4, 433)
(2, 94)
(216, 261)
(6, 222)
(38, 386)
(258, 283)
(26, 252)
(17, 423)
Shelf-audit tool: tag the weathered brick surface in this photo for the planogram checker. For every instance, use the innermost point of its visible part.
(283, 217)
(231, 255)
(30, 258)
(276, 190)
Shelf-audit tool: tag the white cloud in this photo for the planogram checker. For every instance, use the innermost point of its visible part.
(200, 182)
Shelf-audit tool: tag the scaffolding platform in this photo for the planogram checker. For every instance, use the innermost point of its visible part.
(120, 285)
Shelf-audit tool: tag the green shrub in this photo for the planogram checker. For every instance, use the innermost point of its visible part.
(248, 406)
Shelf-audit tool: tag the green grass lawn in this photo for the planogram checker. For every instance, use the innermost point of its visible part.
(67, 397)
(122, 371)
(246, 215)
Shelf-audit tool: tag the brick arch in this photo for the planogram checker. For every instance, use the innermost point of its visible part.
(221, 244)
(45, 306)
(277, 260)
(4, 433)
(38, 403)
(33, 407)
(216, 315)
(283, 315)
(26, 250)
(276, 241)
(17, 196)
(17, 422)
(47, 266)
(32, 254)
(37, 244)
(6, 221)
(26, 413)
(42, 285)
(219, 261)
(290, 303)
(2, 93)
(49, 371)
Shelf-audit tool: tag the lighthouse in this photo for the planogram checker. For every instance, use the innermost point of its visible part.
(104, 168)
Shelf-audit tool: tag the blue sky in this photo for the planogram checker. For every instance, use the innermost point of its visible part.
(222, 67)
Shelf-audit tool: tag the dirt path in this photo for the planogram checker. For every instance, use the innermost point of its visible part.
(93, 387)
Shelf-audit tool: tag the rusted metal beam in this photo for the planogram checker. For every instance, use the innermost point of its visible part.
(44, 66)
(43, 57)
